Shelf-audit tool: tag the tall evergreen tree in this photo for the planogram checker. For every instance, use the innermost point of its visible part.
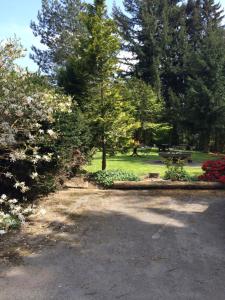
(59, 28)
(63, 33)
(205, 94)
(179, 51)
(155, 33)
(106, 108)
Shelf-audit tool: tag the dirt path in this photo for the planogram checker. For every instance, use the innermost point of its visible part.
(132, 245)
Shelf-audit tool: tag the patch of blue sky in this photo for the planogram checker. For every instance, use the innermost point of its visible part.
(15, 18)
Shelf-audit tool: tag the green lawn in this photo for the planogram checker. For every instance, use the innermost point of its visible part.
(145, 163)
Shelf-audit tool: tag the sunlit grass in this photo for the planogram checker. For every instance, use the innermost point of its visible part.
(146, 162)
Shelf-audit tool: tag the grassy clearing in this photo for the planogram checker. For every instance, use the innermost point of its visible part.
(145, 163)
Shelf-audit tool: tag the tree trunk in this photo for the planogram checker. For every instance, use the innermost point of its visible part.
(103, 130)
(216, 143)
(175, 136)
(104, 155)
(204, 141)
(219, 142)
(135, 151)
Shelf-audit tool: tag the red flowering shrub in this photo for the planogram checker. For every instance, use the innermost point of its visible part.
(214, 170)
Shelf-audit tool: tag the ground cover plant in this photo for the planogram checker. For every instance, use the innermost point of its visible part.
(107, 178)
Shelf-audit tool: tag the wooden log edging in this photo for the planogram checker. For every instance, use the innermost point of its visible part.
(148, 185)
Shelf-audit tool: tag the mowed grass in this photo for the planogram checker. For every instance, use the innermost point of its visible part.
(147, 162)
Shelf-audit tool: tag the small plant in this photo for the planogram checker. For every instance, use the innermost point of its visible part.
(107, 178)
(12, 214)
(175, 171)
(9, 222)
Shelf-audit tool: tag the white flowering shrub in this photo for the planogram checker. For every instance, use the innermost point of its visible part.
(26, 132)
(11, 213)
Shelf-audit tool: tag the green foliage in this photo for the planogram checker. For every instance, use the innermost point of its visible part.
(205, 96)
(59, 27)
(48, 183)
(89, 68)
(40, 132)
(112, 118)
(89, 75)
(175, 171)
(146, 104)
(74, 78)
(107, 178)
(146, 109)
(75, 140)
(9, 222)
(27, 108)
(106, 108)
(174, 88)
(179, 51)
(160, 132)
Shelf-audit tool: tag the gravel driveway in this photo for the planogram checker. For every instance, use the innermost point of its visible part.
(129, 245)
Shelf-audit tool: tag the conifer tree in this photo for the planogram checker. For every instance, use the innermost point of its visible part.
(205, 93)
(154, 32)
(59, 28)
(106, 108)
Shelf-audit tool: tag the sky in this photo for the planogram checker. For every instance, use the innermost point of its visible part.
(15, 17)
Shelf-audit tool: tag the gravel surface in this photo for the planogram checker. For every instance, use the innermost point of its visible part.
(129, 245)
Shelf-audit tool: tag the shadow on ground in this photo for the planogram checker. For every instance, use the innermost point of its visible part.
(134, 245)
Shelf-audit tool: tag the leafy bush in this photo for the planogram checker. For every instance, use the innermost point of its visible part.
(35, 130)
(8, 221)
(12, 214)
(161, 133)
(214, 170)
(107, 178)
(175, 171)
(74, 144)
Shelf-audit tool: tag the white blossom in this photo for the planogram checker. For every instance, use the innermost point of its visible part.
(47, 157)
(8, 175)
(3, 197)
(52, 133)
(34, 175)
(13, 201)
(29, 100)
(24, 107)
(19, 113)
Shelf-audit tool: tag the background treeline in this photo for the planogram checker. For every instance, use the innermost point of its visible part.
(152, 73)
(179, 49)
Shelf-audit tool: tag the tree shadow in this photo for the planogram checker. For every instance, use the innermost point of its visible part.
(143, 245)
